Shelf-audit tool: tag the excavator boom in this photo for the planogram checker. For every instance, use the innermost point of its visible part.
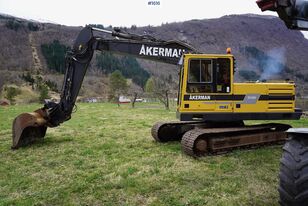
(29, 127)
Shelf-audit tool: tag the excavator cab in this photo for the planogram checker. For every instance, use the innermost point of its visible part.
(205, 79)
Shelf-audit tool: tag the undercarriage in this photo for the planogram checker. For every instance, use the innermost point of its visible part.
(204, 138)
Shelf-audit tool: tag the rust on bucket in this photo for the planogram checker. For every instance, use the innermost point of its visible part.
(28, 127)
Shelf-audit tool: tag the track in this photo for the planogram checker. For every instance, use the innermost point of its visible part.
(172, 131)
(201, 138)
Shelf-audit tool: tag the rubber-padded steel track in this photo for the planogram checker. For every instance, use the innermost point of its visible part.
(171, 131)
(199, 142)
(189, 140)
(174, 131)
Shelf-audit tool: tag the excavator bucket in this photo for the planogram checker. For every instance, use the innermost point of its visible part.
(28, 127)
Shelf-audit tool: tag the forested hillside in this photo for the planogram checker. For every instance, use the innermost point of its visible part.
(264, 49)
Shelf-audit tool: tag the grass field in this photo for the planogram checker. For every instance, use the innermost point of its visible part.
(105, 155)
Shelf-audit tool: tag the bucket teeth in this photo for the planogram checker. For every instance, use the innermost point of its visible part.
(28, 127)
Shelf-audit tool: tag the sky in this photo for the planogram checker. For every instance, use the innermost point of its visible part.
(125, 12)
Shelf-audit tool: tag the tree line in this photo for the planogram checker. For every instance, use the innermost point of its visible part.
(54, 53)
(119, 69)
(16, 25)
(127, 65)
(159, 88)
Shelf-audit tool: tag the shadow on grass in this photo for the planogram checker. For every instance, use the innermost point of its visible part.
(48, 141)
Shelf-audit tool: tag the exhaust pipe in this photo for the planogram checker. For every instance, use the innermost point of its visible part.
(28, 128)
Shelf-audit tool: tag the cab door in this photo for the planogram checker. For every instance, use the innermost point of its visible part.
(205, 88)
(223, 84)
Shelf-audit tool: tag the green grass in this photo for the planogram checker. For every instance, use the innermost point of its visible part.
(105, 155)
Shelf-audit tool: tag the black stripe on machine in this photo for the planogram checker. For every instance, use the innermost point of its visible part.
(276, 97)
(188, 97)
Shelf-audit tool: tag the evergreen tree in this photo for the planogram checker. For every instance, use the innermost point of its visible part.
(150, 85)
(117, 86)
(133, 70)
(43, 89)
(129, 67)
(54, 54)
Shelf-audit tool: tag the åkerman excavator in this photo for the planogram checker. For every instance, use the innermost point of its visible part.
(211, 107)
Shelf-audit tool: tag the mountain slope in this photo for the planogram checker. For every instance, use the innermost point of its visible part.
(253, 39)
(265, 33)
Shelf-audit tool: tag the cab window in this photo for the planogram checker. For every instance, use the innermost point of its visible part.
(223, 75)
(200, 76)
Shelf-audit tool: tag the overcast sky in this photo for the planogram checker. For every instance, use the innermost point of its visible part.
(125, 12)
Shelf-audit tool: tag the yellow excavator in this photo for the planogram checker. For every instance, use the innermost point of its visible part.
(211, 107)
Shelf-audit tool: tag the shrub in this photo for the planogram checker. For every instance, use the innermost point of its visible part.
(11, 93)
(52, 85)
(28, 78)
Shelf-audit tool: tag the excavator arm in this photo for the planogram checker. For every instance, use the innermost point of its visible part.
(294, 13)
(28, 127)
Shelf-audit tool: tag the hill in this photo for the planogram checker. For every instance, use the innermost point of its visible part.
(263, 46)
(254, 39)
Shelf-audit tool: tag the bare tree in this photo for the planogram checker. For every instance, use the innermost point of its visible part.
(1, 83)
(159, 88)
(134, 99)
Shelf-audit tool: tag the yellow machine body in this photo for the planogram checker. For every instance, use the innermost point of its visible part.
(208, 92)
